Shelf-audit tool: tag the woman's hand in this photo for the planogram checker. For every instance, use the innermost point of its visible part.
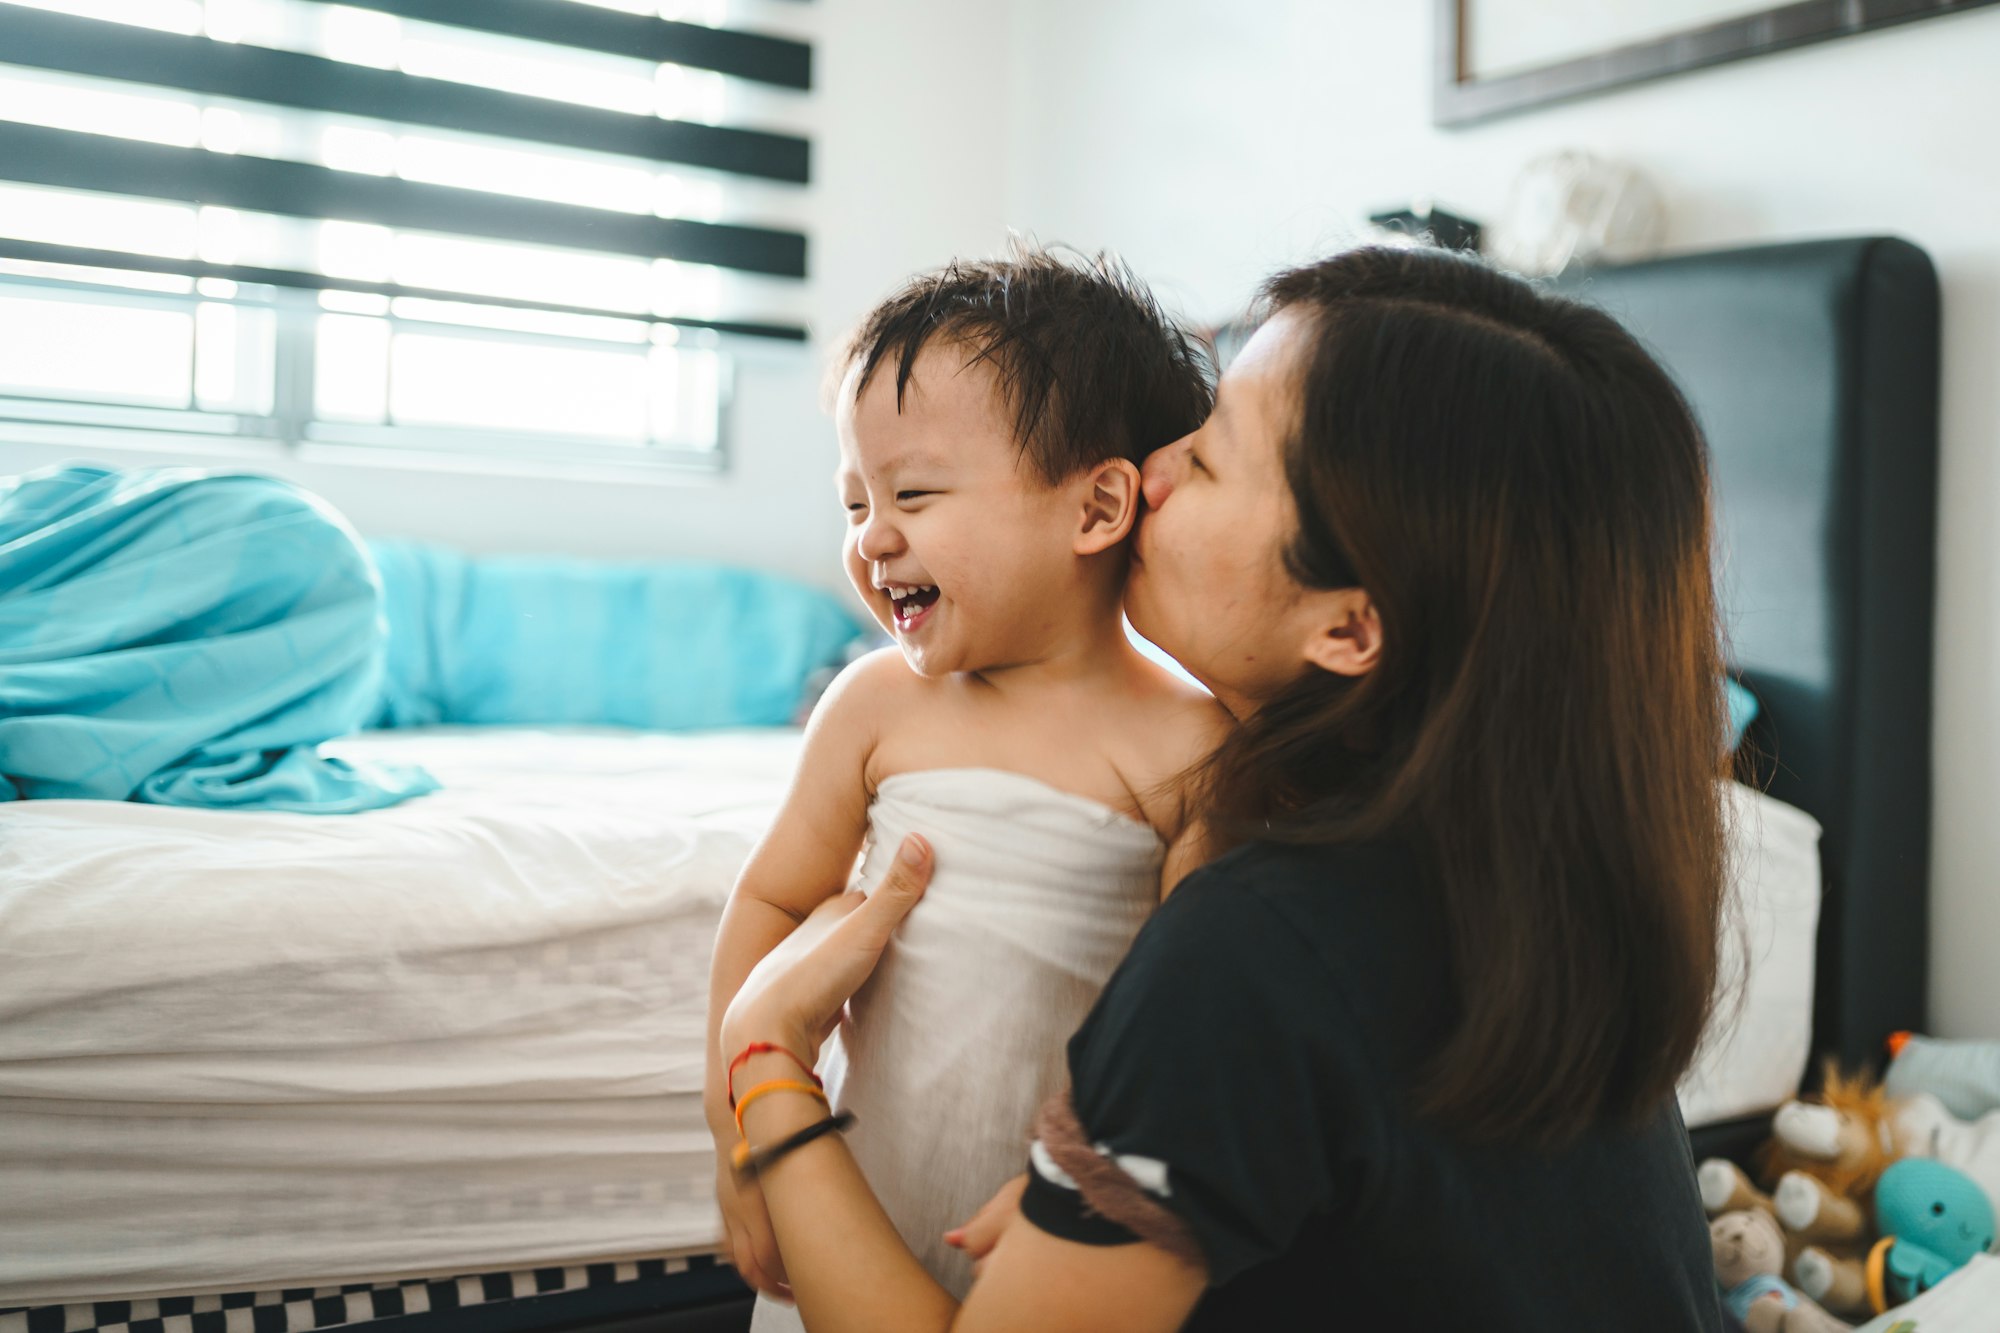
(795, 995)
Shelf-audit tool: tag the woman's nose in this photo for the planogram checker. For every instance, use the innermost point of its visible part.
(1158, 475)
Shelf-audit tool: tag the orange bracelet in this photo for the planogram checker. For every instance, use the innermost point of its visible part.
(763, 1048)
(777, 1085)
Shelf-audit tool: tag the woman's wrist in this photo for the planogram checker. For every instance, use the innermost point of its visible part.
(783, 1111)
(740, 1031)
(762, 1042)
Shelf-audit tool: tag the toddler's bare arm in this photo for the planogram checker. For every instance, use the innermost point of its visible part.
(805, 858)
(807, 855)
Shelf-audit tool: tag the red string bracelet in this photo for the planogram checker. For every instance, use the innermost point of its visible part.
(764, 1048)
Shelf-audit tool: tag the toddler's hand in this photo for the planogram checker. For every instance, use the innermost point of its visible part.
(753, 1246)
(978, 1237)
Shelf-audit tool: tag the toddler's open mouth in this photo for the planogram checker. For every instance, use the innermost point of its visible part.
(911, 605)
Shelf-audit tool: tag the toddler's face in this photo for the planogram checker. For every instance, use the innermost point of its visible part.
(956, 544)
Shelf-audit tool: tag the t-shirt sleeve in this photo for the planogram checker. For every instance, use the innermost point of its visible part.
(1209, 1075)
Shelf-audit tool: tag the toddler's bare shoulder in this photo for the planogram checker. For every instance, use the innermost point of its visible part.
(873, 675)
(1184, 721)
(877, 696)
(1170, 727)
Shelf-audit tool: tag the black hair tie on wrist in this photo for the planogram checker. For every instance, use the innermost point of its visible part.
(750, 1164)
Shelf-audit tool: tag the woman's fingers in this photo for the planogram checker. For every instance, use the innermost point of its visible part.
(796, 993)
(868, 926)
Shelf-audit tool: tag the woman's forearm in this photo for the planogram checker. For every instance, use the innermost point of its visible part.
(848, 1268)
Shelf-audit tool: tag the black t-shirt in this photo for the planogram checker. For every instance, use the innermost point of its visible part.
(1261, 1041)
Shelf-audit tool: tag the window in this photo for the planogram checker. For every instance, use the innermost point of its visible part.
(514, 226)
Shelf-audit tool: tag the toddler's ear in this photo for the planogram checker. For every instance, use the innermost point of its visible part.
(1110, 506)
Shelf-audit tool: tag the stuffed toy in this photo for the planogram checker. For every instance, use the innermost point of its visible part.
(1748, 1254)
(1940, 1102)
(1946, 1096)
(1825, 1158)
(1933, 1220)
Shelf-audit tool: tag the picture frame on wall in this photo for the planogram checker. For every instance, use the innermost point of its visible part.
(1496, 57)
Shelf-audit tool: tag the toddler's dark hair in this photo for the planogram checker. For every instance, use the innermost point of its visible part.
(1090, 364)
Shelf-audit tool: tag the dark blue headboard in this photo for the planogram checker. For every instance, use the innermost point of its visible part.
(1813, 368)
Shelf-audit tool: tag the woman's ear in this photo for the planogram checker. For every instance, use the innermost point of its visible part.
(1110, 506)
(1349, 640)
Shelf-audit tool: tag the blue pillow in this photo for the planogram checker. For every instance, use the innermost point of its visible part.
(528, 640)
(1742, 709)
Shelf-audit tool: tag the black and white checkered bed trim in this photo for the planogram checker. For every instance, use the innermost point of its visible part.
(309, 1309)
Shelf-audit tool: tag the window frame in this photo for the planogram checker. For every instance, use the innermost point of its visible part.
(293, 426)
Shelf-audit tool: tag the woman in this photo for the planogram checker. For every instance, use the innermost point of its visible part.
(1405, 1055)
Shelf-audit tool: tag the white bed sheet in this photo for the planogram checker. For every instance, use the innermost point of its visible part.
(463, 1033)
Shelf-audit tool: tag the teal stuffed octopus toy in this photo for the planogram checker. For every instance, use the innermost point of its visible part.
(1932, 1219)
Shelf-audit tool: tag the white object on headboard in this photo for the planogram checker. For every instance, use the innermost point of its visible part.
(1576, 208)
(1760, 1038)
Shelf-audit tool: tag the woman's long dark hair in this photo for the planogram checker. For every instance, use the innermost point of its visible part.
(1524, 495)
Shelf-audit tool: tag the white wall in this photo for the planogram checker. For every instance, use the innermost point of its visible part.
(897, 193)
(1211, 147)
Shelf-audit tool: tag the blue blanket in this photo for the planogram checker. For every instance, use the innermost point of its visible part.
(532, 639)
(179, 637)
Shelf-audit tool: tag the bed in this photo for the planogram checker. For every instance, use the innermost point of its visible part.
(453, 1043)
(467, 1100)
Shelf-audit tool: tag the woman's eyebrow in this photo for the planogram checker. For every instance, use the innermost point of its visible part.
(1224, 428)
(1220, 411)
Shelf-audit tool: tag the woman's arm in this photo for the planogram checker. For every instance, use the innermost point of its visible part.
(848, 1268)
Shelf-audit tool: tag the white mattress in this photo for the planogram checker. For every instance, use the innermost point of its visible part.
(242, 1050)
(1760, 1038)
(460, 1034)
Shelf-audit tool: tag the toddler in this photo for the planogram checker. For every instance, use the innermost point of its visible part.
(992, 417)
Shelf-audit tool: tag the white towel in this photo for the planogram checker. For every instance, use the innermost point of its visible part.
(959, 1037)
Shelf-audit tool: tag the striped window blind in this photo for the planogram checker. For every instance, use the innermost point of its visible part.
(483, 226)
